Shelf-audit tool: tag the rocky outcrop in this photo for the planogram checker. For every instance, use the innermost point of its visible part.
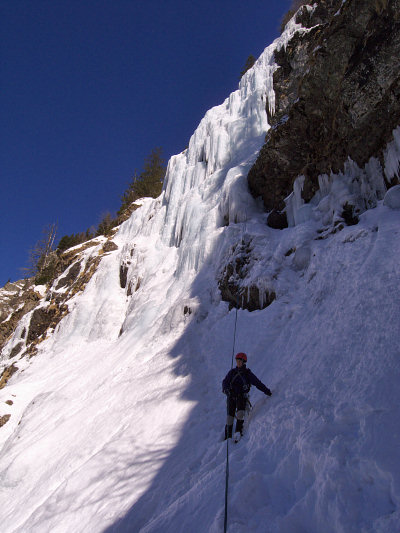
(337, 94)
(236, 286)
(43, 318)
(109, 246)
(16, 300)
(42, 311)
(6, 374)
(4, 419)
(249, 297)
(70, 277)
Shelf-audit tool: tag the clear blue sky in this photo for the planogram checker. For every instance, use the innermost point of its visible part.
(90, 87)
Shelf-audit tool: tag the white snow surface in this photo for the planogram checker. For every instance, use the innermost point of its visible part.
(116, 424)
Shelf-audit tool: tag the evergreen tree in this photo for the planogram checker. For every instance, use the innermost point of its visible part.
(249, 63)
(107, 223)
(129, 195)
(65, 242)
(148, 183)
(68, 241)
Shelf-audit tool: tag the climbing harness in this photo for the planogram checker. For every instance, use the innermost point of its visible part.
(245, 385)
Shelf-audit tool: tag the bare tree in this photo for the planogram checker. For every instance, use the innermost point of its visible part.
(40, 255)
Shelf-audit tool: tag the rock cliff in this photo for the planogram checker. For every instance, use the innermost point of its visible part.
(337, 93)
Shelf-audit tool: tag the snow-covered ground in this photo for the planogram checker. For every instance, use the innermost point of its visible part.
(116, 424)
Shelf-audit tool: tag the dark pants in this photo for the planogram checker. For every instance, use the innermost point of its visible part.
(235, 404)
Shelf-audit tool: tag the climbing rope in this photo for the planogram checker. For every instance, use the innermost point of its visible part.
(226, 487)
(227, 440)
(234, 332)
(227, 408)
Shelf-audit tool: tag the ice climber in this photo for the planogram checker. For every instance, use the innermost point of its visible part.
(236, 385)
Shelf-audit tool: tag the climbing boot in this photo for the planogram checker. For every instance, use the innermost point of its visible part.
(239, 426)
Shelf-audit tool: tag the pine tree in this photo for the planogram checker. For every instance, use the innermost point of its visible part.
(146, 184)
(249, 63)
(107, 223)
(68, 241)
(151, 178)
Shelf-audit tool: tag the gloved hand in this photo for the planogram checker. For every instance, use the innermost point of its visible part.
(226, 391)
(268, 392)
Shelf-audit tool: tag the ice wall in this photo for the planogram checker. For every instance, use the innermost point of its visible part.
(205, 186)
(358, 187)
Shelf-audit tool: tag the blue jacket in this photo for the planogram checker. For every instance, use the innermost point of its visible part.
(239, 380)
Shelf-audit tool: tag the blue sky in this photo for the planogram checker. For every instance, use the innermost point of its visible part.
(90, 87)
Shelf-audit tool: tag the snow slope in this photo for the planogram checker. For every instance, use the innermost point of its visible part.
(116, 423)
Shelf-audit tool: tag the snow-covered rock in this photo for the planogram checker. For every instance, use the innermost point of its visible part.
(302, 257)
(392, 197)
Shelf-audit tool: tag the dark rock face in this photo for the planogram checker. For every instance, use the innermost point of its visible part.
(17, 348)
(109, 246)
(247, 297)
(71, 276)
(337, 96)
(44, 318)
(234, 287)
(277, 219)
(22, 299)
(40, 321)
(4, 419)
(6, 374)
(123, 275)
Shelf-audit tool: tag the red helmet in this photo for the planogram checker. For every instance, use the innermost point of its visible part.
(241, 356)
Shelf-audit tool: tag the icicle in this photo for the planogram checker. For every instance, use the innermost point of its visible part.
(373, 170)
(392, 156)
(294, 201)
